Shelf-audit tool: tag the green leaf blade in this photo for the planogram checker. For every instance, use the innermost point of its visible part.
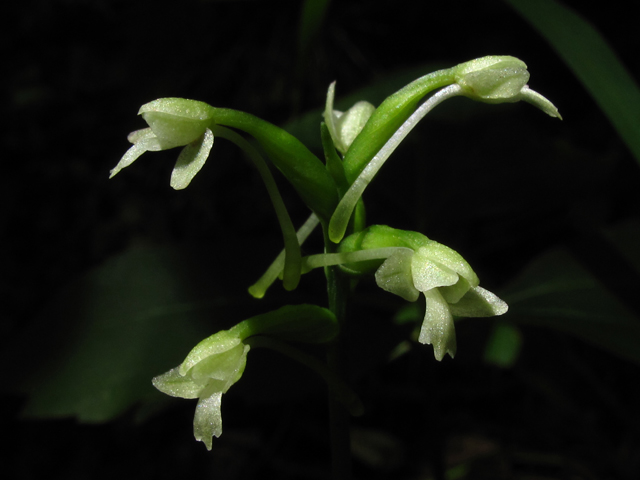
(592, 60)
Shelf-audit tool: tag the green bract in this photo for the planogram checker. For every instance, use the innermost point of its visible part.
(388, 117)
(218, 362)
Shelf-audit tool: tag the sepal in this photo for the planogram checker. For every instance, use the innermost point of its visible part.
(344, 127)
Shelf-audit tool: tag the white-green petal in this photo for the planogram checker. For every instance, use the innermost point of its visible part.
(451, 259)
(207, 422)
(176, 385)
(226, 366)
(479, 302)
(492, 79)
(137, 135)
(344, 127)
(350, 123)
(537, 100)
(438, 328)
(215, 344)
(453, 293)
(143, 144)
(177, 121)
(192, 158)
(331, 116)
(394, 275)
(428, 274)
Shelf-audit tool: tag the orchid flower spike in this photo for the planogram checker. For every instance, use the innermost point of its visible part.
(218, 362)
(415, 265)
(173, 122)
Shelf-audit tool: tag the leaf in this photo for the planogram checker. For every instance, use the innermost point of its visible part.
(93, 351)
(592, 60)
(557, 291)
(503, 345)
(312, 16)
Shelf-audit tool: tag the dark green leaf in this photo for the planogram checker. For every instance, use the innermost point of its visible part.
(94, 350)
(556, 291)
(592, 60)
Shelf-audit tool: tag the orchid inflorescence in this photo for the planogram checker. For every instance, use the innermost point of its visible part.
(356, 144)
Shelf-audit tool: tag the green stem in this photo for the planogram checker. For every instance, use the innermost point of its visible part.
(338, 290)
(343, 393)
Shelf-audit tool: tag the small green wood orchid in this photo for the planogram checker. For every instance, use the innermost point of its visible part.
(409, 264)
(207, 380)
(218, 362)
(173, 122)
(420, 265)
(356, 144)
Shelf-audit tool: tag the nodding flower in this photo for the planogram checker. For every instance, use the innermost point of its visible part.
(218, 362)
(173, 122)
(409, 264)
(417, 265)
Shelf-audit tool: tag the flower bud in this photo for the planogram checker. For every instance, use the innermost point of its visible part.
(492, 79)
(344, 127)
(218, 362)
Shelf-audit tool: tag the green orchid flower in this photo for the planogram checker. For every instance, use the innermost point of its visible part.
(409, 264)
(207, 380)
(418, 265)
(450, 288)
(173, 122)
(218, 362)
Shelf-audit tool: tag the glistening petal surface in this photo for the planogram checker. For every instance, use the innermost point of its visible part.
(394, 275)
(176, 385)
(437, 327)
(479, 302)
(207, 421)
(192, 158)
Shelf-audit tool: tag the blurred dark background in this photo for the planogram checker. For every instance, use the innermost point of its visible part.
(500, 184)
